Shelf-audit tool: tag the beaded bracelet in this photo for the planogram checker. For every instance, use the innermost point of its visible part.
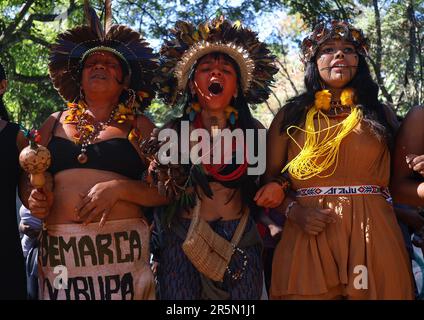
(291, 204)
(283, 182)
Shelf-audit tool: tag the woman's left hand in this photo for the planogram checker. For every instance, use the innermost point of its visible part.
(98, 201)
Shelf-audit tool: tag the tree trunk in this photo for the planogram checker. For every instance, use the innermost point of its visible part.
(379, 54)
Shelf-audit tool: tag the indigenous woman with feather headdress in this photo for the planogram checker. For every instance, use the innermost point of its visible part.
(95, 243)
(341, 238)
(210, 246)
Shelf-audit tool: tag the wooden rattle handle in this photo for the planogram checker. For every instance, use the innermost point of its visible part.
(38, 180)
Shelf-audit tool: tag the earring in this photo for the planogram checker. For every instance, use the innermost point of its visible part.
(348, 98)
(81, 94)
(232, 114)
(131, 99)
(193, 110)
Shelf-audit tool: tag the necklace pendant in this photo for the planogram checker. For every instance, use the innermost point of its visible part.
(82, 158)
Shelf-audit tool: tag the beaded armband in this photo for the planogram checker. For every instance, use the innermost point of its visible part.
(283, 182)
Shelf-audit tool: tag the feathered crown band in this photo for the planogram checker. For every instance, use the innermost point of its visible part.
(334, 30)
(189, 43)
(73, 46)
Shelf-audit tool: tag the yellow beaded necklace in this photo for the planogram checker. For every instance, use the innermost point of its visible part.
(321, 148)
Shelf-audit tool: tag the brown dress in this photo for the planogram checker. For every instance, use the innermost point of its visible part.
(360, 256)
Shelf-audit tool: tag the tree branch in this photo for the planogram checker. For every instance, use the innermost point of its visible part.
(12, 27)
(29, 79)
(409, 69)
(26, 26)
(278, 100)
(37, 40)
(380, 81)
(161, 29)
(287, 76)
(269, 108)
(379, 53)
(48, 17)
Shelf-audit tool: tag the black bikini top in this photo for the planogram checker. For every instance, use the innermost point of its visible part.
(115, 155)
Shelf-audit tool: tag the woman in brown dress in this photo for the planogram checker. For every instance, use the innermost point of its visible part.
(341, 238)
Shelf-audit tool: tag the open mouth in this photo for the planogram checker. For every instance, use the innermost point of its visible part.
(340, 66)
(98, 76)
(216, 88)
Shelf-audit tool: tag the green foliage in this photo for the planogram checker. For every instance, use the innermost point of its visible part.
(27, 27)
(160, 114)
(24, 53)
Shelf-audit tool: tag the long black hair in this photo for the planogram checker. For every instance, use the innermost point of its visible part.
(366, 93)
(247, 183)
(4, 115)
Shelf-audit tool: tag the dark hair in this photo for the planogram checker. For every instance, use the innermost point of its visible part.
(248, 186)
(366, 93)
(4, 115)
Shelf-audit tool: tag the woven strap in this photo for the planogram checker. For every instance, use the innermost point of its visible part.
(240, 228)
(343, 190)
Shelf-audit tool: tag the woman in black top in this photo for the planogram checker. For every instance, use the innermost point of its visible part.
(12, 267)
(93, 213)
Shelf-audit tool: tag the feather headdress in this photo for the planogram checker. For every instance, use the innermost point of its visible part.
(73, 46)
(334, 30)
(190, 43)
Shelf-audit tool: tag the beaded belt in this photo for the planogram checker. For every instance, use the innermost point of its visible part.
(344, 190)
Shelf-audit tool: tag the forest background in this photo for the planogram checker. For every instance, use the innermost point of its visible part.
(395, 30)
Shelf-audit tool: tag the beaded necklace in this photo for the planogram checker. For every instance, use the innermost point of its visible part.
(215, 169)
(87, 129)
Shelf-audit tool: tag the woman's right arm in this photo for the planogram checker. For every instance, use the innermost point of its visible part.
(310, 220)
(38, 202)
(271, 194)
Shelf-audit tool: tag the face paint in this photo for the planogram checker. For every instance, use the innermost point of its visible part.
(337, 62)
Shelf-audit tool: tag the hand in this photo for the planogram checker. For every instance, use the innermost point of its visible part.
(270, 195)
(274, 229)
(98, 201)
(312, 221)
(27, 230)
(416, 163)
(40, 202)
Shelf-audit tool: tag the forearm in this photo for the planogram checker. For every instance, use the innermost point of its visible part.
(140, 193)
(287, 201)
(408, 191)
